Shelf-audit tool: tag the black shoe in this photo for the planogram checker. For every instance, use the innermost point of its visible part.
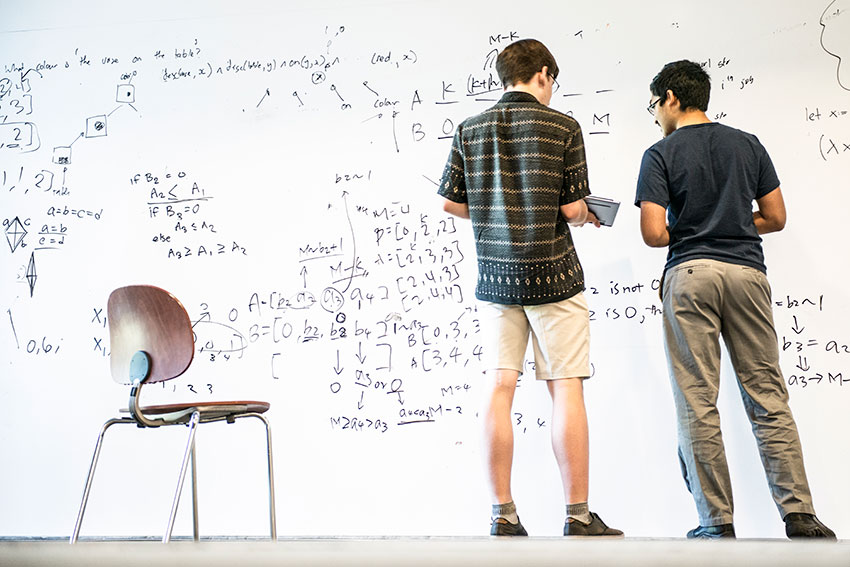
(502, 527)
(596, 527)
(712, 532)
(799, 525)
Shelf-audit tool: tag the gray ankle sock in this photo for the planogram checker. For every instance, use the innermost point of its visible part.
(579, 512)
(506, 511)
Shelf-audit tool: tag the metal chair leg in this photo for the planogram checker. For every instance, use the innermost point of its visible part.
(195, 530)
(76, 533)
(272, 517)
(193, 423)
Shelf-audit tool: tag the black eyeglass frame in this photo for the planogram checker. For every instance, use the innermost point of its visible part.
(651, 108)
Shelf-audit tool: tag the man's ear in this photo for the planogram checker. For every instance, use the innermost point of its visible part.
(675, 103)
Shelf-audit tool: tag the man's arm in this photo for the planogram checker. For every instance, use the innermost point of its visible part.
(577, 214)
(653, 224)
(770, 216)
(457, 209)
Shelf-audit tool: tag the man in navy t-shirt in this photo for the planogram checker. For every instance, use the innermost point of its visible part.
(695, 192)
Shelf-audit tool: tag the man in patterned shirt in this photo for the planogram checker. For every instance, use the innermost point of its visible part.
(518, 171)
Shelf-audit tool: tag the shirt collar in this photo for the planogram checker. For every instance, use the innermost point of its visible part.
(518, 96)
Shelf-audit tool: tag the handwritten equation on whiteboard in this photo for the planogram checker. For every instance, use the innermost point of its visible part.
(382, 303)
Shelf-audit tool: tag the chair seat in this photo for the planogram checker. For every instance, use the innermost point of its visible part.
(209, 411)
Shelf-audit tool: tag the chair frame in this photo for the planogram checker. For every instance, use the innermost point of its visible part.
(177, 414)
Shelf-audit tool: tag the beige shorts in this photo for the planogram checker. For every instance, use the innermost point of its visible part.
(560, 337)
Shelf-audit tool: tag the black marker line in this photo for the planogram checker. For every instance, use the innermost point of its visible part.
(353, 241)
(264, 98)
(488, 91)
(395, 137)
(366, 84)
(13, 329)
(319, 257)
(837, 56)
(181, 201)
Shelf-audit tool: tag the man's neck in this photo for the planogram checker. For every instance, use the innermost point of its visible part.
(524, 88)
(692, 117)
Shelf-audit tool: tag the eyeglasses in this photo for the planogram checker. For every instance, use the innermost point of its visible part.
(652, 105)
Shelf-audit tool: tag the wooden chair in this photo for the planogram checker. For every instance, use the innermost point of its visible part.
(151, 340)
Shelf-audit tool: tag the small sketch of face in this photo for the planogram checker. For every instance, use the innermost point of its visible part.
(835, 37)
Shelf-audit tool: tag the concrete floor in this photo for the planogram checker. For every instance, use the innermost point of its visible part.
(483, 551)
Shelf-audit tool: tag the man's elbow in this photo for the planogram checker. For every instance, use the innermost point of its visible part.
(457, 209)
(769, 224)
(656, 239)
(652, 242)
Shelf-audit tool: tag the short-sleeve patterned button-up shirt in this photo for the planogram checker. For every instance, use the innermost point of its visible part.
(515, 164)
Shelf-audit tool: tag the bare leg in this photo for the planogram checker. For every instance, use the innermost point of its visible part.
(569, 437)
(499, 433)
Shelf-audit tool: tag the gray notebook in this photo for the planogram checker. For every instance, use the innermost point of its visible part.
(604, 209)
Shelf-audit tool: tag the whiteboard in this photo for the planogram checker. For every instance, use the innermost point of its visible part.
(275, 167)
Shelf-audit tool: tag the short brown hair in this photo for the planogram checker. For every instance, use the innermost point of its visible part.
(522, 59)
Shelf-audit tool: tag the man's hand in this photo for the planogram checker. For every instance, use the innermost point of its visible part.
(591, 218)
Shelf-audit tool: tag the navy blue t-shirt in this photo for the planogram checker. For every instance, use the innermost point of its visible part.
(707, 177)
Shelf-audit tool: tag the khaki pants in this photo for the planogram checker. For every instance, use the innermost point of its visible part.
(703, 300)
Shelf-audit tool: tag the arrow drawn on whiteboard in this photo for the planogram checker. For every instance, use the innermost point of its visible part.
(366, 84)
(797, 328)
(267, 93)
(353, 242)
(360, 403)
(395, 137)
(337, 368)
(304, 275)
(359, 354)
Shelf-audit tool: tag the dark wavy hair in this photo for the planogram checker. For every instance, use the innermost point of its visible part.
(522, 59)
(688, 81)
